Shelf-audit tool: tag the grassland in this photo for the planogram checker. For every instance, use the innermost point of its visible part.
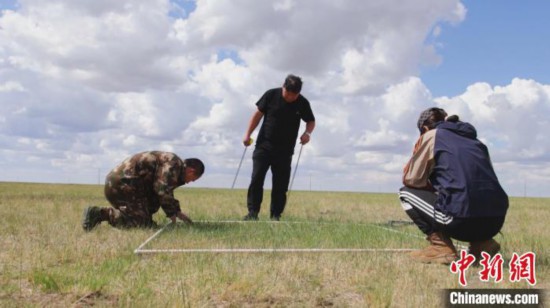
(48, 260)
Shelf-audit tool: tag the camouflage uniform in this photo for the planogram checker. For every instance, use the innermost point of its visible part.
(142, 184)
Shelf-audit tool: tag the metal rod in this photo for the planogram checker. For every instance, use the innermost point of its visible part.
(239, 168)
(295, 169)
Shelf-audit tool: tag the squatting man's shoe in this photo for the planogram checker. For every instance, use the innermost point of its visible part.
(91, 217)
(491, 247)
(441, 250)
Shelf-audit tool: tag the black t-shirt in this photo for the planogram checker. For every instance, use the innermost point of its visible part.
(281, 122)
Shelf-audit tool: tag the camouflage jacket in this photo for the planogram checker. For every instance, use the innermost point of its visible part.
(153, 174)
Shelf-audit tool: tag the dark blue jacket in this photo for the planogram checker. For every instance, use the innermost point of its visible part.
(452, 161)
(463, 174)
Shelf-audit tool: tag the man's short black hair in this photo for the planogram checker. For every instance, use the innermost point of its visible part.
(293, 83)
(196, 164)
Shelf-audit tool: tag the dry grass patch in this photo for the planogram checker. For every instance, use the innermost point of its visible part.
(47, 260)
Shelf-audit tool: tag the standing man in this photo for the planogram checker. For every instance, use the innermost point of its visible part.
(140, 186)
(282, 109)
(451, 189)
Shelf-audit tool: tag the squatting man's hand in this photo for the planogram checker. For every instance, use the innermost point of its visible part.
(182, 217)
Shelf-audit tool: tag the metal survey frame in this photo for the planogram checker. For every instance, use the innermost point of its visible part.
(140, 250)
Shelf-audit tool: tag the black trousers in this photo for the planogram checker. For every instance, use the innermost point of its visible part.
(280, 170)
(419, 206)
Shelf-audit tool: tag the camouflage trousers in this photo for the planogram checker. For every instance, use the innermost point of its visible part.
(130, 205)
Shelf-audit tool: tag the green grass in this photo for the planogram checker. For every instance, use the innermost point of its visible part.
(47, 260)
(280, 235)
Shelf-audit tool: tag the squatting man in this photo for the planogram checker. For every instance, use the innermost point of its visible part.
(451, 189)
(139, 186)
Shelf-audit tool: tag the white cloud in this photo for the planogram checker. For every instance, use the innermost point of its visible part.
(121, 47)
(85, 84)
(11, 86)
(512, 119)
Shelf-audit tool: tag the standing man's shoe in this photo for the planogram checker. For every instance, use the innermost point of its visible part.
(250, 217)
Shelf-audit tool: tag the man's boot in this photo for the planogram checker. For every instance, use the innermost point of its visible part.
(491, 247)
(91, 217)
(441, 250)
(251, 216)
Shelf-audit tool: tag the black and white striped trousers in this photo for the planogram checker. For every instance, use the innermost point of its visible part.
(420, 207)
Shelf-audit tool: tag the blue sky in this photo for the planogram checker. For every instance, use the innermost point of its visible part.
(185, 8)
(499, 40)
(84, 84)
